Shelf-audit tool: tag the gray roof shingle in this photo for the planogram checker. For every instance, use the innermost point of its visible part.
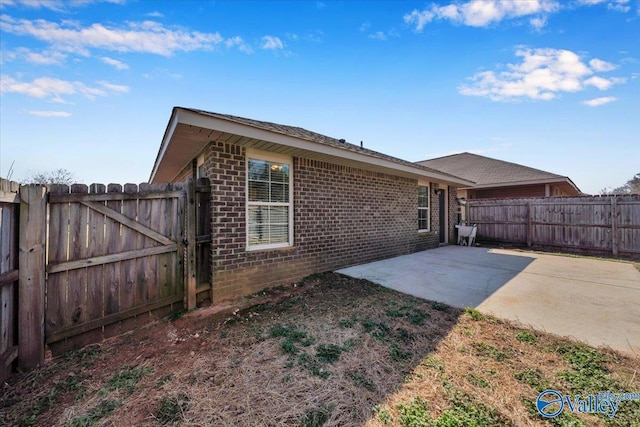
(301, 133)
(485, 170)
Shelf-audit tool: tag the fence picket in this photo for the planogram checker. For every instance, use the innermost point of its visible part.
(607, 224)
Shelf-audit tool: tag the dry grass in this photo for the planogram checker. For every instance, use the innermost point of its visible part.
(335, 352)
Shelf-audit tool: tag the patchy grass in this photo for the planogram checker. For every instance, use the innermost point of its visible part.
(336, 352)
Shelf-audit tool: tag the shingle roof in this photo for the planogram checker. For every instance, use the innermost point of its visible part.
(485, 170)
(308, 135)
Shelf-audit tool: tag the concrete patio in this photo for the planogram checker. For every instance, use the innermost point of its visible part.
(590, 300)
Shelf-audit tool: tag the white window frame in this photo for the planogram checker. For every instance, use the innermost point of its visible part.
(428, 208)
(269, 157)
(199, 163)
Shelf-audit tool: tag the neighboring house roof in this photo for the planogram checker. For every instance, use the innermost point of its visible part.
(190, 130)
(486, 172)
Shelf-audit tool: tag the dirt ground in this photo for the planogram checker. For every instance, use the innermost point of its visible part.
(330, 351)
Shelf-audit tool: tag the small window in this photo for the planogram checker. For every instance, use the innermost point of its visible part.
(269, 207)
(200, 167)
(423, 208)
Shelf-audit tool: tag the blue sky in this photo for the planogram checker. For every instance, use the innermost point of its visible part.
(88, 85)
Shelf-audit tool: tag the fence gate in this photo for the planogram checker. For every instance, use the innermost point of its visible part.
(115, 259)
(9, 218)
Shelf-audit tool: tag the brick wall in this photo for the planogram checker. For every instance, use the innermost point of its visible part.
(342, 216)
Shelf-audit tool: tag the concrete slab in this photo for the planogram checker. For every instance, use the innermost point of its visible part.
(594, 301)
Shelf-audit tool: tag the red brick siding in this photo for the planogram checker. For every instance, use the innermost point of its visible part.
(342, 216)
(453, 216)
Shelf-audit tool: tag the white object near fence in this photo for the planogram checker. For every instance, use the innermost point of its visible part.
(467, 232)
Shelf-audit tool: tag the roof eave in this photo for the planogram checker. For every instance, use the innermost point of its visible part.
(560, 179)
(193, 118)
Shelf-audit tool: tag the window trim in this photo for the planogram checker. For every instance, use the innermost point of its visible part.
(199, 163)
(427, 208)
(252, 154)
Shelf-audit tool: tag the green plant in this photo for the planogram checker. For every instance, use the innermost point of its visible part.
(171, 409)
(328, 353)
(526, 336)
(362, 381)
(412, 314)
(414, 414)
(533, 378)
(165, 379)
(477, 380)
(312, 365)
(475, 314)
(439, 306)
(289, 346)
(316, 417)
(433, 362)
(127, 378)
(104, 409)
(486, 350)
(383, 414)
(397, 354)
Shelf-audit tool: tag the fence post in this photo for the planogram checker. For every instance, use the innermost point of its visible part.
(529, 225)
(31, 281)
(614, 225)
(190, 267)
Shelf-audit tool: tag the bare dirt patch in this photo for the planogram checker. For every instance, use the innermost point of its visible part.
(333, 351)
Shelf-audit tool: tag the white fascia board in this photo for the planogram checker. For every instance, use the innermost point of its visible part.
(207, 122)
(168, 134)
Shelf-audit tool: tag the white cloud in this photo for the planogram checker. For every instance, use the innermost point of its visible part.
(50, 113)
(119, 65)
(56, 5)
(378, 35)
(155, 14)
(365, 26)
(272, 43)
(618, 5)
(542, 75)
(596, 102)
(239, 43)
(482, 13)
(539, 22)
(55, 89)
(145, 37)
(46, 57)
(601, 66)
(114, 87)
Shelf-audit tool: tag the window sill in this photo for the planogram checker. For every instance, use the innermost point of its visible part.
(266, 248)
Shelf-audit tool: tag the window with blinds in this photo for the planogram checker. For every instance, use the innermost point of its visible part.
(423, 208)
(268, 204)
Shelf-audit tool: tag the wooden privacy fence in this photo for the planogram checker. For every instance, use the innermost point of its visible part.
(9, 215)
(591, 224)
(115, 258)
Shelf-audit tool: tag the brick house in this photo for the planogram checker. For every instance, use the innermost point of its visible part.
(287, 202)
(497, 179)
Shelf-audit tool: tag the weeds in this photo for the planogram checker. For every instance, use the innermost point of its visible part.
(526, 336)
(414, 414)
(104, 409)
(362, 381)
(475, 314)
(414, 315)
(127, 378)
(171, 409)
(486, 350)
(317, 417)
(477, 380)
(533, 378)
(440, 306)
